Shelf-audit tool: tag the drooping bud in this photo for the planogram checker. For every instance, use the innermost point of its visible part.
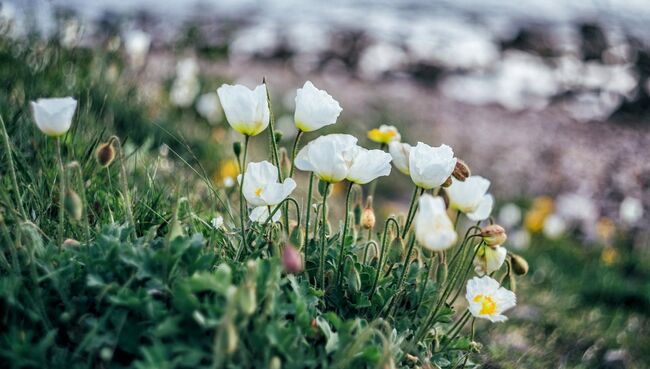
(72, 204)
(395, 250)
(368, 215)
(494, 235)
(285, 162)
(105, 154)
(353, 276)
(277, 136)
(461, 171)
(322, 185)
(447, 183)
(291, 260)
(519, 264)
(296, 237)
(236, 148)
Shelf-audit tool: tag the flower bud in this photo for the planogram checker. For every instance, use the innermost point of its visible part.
(354, 278)
(494, 235)
(275, 363)
(395, 250)
(519, 264)
(72, 204)
(277, 136)
(368, 215)
(296, 236)
(461, 170)
(285, 162)
(447, 183)
(236, 148)
(105, 154)
(442, 273)
(247, 299)
(291, 260)
(70, 242)
(322, 185)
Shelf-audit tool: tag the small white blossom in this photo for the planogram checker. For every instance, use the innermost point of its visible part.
(488, 300)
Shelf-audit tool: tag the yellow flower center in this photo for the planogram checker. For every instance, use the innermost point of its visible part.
(258, 192)
(381, 136)
(488, 306)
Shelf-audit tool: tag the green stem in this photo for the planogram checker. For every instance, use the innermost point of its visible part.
(274, 145)
(124, 182)
(294, 152)
(242, 200)
(323, 237)
(12, 169)
(411, 212)
(84, 202)
(344, 234)
(307, 214)
(61, 190)
(426, 281)
(407, 263)
(382, 254)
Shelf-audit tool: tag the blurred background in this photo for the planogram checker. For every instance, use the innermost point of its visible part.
(548, 99)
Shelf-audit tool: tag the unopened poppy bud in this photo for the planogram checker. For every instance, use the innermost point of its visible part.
(105, 154)
(72, 205)
(461, 170)
(285, 162)
(277, 136)
(395, 250)
(368, 215)
(322, 185)
(519, 264)
(246, 299)
(296, 236)
(71, 242)
(447, 183)
(275, 363)
(236, 148)
(291, 260)
(354, 278)
(494, 235)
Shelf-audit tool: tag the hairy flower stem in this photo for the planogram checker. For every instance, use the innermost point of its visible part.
(412, 208)
(323, 236)
(382, 254)
(407, 264)
(426, 280)
(307, 215)
(339, 269)
(61, 190)
(12, 168)
(242, 200)
(294, 152)
(124, 181)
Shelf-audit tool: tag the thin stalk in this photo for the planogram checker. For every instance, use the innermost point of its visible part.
(426, 281)
(61, 190)
(242, 200)
(344, 234)
(323, 237)
(308, 213)
(411, 212)
(274, 145)
(110, 187)
(84, 202)
(457, 327)
(294, 152)
(124, 181)
(407, 263)
(12, 169)
(382, 254)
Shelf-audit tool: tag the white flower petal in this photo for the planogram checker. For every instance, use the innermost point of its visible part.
(466, 196)
(261, 213)
(314, 108)
(430, 167)
(400, 153)
(247, 111)
(367, 165)
(433, 228)
(483, 210)
(53, 116)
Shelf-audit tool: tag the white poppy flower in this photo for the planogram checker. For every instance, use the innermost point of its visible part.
(54, 116)
(217, 222)
(247, 111)
(431, 166)
(488, 300)
(631, 210)
(367, 165)
(208, 107)
(554, 226)
(261, 186)
(314, 108)
(489, 259)
(261, 213)
(400, 153)
(384, 134)
(328, 157)
(433, 228)
(136, 44)
(470, 197)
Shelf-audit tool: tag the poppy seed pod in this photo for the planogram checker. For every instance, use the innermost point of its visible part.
(461, 170)
(519, 264)
(105, 154)
(291, 260)
(494, 235)
(72, 205)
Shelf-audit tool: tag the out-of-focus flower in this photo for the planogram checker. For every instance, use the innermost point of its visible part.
(367, 165)
(71, 33)
(136, 44)
(609, 256)
(488, 300)
(519, 239)
(186, 85)
(247, 111)
(400, 153)
(433, 228)
(471, 197)
(261, 213)
(53, 116)
(217, 222)
(227, 173)
(575, 207)
(314, 108)
(328, 156)
(509, 215)
(541, 208)
(385, 134)
(261, 186)
(554, 226)
(605, 230)
(291, 260)
(631, 210)
(489, 259)
(430, 167)
(208, 107)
